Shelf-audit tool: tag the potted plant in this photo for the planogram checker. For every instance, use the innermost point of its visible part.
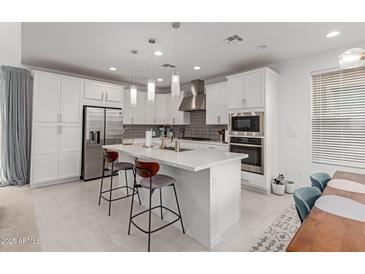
(289, 187)
(278, 185)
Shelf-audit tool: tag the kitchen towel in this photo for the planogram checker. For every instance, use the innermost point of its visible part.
(347, 185)
(342, 207)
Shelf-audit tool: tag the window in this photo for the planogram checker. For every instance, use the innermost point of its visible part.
(338, 117)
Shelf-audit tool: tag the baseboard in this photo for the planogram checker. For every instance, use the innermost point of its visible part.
(69, 180)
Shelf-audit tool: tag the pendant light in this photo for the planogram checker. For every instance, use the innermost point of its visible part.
(175, 78)
(352, 58)
(133, 87)
(151, 85)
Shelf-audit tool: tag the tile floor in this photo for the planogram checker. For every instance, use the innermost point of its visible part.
(69, 219)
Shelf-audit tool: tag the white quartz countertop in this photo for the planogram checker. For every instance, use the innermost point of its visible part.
(192, 160)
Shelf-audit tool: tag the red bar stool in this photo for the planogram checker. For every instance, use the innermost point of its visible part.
(110, 157)
(152, 181)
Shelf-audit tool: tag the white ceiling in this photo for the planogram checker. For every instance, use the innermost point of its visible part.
(91, 48)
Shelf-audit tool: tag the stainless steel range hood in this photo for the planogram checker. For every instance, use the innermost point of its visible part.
(197, 100)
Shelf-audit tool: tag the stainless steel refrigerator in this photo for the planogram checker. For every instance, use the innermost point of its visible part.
(101, 126)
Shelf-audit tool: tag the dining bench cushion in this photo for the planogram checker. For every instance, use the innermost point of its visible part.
(158, 181)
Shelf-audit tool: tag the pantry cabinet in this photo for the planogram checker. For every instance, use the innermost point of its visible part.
(217, 104)
(57, 126)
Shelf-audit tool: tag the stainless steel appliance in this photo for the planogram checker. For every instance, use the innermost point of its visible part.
(246, 124)
(197, 99)
(254, 148)
(101, 126)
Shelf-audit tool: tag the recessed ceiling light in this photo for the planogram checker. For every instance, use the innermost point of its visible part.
(332, 34)
(158, 53)
(196, 68)
(112, 69)
(159, 80)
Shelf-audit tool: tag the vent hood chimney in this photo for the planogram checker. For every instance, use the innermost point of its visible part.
(197, 100)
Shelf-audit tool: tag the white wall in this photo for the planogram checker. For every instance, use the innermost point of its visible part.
(10, 44)
(295, 115)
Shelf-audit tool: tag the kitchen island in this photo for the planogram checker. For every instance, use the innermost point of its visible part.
(208, 184)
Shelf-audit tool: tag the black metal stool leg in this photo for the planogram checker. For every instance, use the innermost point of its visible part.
(161, 202)
(178, 208)
(149, 222)
(111, 187)
(102, 181)
(131, 212)
(126, 181)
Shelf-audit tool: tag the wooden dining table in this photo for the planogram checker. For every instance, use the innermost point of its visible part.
(323, 231)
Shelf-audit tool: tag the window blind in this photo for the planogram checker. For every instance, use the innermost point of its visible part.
(338, 117)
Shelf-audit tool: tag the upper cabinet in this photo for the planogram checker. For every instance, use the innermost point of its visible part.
(236, 94)
(134, 114)
(102, 94)
(247, 90)
(56, 98)
(254, 89)
(161, 108)
(174, 116)
(217, 104)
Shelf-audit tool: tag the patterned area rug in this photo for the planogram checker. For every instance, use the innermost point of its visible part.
(279, 234)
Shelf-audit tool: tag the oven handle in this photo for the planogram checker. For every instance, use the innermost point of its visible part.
(246, 145)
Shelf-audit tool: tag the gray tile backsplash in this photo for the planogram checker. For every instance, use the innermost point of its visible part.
(197, 128)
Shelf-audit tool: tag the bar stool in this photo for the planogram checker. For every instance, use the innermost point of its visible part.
(152, 181)
(110, 157)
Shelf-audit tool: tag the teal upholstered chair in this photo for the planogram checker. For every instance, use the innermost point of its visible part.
(304, 200)
(320, 180)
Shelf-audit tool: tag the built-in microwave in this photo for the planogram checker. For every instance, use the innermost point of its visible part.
(246, 124)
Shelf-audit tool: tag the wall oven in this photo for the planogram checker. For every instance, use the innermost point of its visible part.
(246, 124)
(254, 148)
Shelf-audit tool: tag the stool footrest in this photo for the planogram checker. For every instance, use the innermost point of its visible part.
(119, 198)
(159, 228)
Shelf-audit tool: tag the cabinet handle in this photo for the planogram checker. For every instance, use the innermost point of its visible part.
(106, 96)
(218, 119)
(102, 96)
(211, 147)
(60, 129)
(173, 120)
(154, 120)
(132, 120)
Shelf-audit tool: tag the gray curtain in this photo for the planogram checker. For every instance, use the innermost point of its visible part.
(16, 93)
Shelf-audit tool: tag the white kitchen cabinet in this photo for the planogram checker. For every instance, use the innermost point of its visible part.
(161, 108)
(56, 153)
(70, 105)
(254, 89)
(102, 94)
(45, 153)
(246, 91)
(69, 151)
(56, 136)
(217, 104)
(236, 94)
(46, 98)
(150, 111)
(56, 98)
(174, 116)
(134, 114)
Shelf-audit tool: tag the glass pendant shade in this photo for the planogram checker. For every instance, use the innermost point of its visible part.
(352, 58)
(175, 85)
(151, 90)
(133, 96)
